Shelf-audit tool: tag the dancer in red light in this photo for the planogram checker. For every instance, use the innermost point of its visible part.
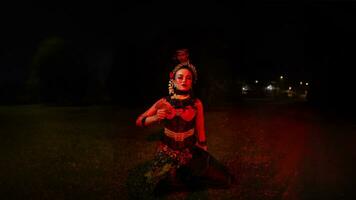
(181, 159)
(182, 57)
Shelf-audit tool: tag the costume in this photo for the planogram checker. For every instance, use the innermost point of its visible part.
(178, 161)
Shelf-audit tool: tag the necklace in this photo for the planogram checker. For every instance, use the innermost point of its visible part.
(182, 91)
(181, 103)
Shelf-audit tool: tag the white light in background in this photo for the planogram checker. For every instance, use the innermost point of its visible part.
(256, 81)
(306, 83)
(270, 87)
(290, 88)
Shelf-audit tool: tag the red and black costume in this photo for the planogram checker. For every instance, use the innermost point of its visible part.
(180, 156)
(192, 166)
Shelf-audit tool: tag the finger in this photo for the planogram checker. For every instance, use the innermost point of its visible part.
(161, 116)
(161, 111)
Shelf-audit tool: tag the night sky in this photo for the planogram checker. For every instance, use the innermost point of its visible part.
(124, 50)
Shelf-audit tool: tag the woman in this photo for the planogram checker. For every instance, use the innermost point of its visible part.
(182, 57)
(181, 159)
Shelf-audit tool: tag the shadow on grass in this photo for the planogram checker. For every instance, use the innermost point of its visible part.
(155, 136)
(136, 186)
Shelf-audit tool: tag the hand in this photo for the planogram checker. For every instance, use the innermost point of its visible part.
(161, 114)
(170, 111)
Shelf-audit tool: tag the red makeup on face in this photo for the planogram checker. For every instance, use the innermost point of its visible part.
(183, 79)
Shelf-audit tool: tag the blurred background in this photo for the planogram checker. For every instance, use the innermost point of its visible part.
(69, 53)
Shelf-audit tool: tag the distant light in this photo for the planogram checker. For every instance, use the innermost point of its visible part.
(256, 81)
(301, 82)
(290, 88)
(270, 87)
(306, 83)
(281, 77)
(244, 88)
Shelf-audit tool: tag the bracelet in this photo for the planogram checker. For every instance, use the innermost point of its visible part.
(143, 121)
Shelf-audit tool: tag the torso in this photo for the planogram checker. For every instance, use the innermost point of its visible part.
(182, 115)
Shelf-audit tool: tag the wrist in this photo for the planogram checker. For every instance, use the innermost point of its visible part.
(154, 118)
(143, 121)
(202, 143)
(202, 146)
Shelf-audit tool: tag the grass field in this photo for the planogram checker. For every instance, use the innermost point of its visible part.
(276, 151)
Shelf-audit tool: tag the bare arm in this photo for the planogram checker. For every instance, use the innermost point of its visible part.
(151, 115)
(200, 125)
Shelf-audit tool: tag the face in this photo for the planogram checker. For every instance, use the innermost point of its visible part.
(183, 79)
(182, 57)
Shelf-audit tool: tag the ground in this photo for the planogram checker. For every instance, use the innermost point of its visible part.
(276, 150)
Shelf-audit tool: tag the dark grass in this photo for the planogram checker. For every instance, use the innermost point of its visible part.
(97, 153)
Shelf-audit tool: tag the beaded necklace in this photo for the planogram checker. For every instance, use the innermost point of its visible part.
(181, 103)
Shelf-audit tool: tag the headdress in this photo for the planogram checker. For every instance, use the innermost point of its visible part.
(182, 51)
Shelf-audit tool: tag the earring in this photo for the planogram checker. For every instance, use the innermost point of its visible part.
(171, 87)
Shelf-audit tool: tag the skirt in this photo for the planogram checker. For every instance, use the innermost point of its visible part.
(186, 169)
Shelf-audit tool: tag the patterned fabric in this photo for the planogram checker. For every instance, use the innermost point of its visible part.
(166, 160)
(181, 103)
(178, 124)
(175, 106)
(183, 159)
(168, 156)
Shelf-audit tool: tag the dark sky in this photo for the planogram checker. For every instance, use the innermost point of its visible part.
(273, 33)
(265, 39)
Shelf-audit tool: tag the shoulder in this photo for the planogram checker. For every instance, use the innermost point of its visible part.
(198, 102)
(166, 99)
(161, 101)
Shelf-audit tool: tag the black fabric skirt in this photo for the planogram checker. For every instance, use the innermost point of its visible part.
(203, 171)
